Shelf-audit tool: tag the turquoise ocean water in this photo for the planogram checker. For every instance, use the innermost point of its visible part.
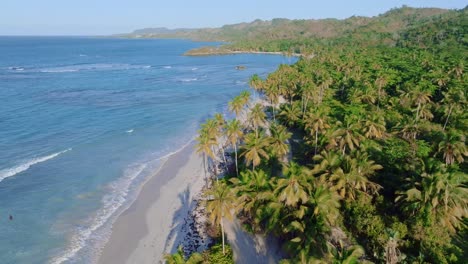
(84, 121)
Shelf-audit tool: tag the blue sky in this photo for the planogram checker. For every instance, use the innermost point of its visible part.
(94, 17)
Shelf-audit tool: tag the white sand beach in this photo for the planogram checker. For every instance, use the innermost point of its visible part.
(152, 224)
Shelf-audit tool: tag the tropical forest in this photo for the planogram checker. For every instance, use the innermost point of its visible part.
(356, 153)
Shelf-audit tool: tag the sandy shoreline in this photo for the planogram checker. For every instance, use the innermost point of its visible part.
(151, 225)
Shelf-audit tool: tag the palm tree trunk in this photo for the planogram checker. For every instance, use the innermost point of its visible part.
(222, 234)
(417, 111)
(235, 152)
(204, 167)
(224, 158)
(316, 141)
(448, 116)
(302, 104)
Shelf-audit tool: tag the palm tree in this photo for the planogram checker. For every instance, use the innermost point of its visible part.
(236, 105)
(179, 258)
(439, 196)
(204, 147)
(342, 255)
(317, 122)
(453, 148)
(245, 98)
(251, 187)
(272, 93)
(374, 126)
(220, 122)
(353, 177)
(454, 100)
(211, 129)
(279, 137)
(348, 136)
(233, 132)
(328, 162)
(380, 82)
(419, 97)
(293, 188)
(325, 202)
(257, 117)
(290, 114)
(255, 148)
(256, 83)
(221, 204)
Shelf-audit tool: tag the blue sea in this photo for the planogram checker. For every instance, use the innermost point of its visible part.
(83, 123)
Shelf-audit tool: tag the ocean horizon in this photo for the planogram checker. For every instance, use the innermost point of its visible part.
(85, 121)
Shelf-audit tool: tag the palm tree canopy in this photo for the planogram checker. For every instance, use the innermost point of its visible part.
(255, 148)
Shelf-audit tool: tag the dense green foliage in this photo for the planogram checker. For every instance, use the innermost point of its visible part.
(359, 152)
(213, 255)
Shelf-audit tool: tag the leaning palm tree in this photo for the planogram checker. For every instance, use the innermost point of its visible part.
(257, 117)
(220, 122)
(254, 149)
(210, 128)
(453, 102)
(205, 147)
(233, 133)
(220, 203)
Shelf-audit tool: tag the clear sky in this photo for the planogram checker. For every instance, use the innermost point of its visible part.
(94, 17)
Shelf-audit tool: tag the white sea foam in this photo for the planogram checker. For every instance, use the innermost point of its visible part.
(25, 166)
(176, 151)
(167, 67)
(194, 69)
(129, 131)
(94, 67)
(112, 202)
(15, 68)
(98, 231)
(58, 70)
(189, 79)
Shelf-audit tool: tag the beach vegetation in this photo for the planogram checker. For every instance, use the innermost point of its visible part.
(358, 153)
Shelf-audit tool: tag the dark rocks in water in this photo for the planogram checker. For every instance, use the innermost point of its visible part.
(241, 67)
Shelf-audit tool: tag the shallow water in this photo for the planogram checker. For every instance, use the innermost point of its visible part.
(84, 121)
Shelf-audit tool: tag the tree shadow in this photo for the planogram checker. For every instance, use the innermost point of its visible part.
(248, 248)
(179, 220)
(184, 229)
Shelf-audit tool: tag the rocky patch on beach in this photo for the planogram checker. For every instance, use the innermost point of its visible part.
(193, 231)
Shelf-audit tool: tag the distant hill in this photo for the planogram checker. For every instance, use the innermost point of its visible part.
(159, 31)
(280, 28)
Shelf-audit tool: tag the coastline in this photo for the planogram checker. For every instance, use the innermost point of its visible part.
(151, 226)
(217, 51)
